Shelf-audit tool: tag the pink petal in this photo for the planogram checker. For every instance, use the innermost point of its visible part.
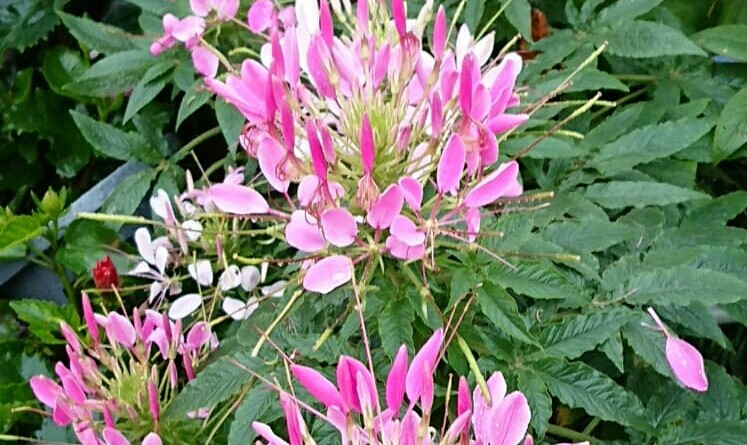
(437, 114)
(426, 391)
(328, 274)
(395, 381)
(361, 13)
(502, 88)
(205, 62)
(325, 22)
(317, 154)
(184, 306)
(114, 437)
(200, 7)
(383, 211)
(267, 434)
(494, 186)
(152, 439)
(402, 251)
(302, 232)
(686, 363)
(45, 389)
(339, 227)
(226, 9)
(451, 166)
(199, 335)
(427, 354)
(93, 329)
(464, 398)
(497, 390)
(508, 422)
(406, 231)
(529, 440)
(290, 410)
(237, 199)
(466, 88)
(188, 28)
(61, 416)
(354, 381)
(317, 385)
(400, 19)
(472, 218)
(270, 156)
(121, 329)
(260, 15)
(367, 145)
(506, 122)
(439, 33)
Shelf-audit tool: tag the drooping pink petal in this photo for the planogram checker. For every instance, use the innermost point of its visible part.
(184, 306)
(270, 156)
(339, 227)
(317, 385)
(302, 232)
(292, 415)
(237, 199)
(93, 329)
(205, 62)
(395, 381)
(113, 437)
(406, 231)
(45, 389)
(261, 15)
(328, 274)
(427, 354)
(152, 439)
(506, 122)
(451, 166)
(199, 335)
(497, 390)
(387, 206)
(367, 145)
(402, 251)
(508, 422)
(686, 363)
(494, 186)
(412, 192)
(439, 33)
(188, 28)
(121, 329)
(400, 19)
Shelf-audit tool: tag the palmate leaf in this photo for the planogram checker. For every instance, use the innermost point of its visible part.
(640, 39)
(113, 142)
(717, 211)
(540, 280)
(626, 10)
(395, 326)
(581, 386)
(540, 402)
(114, 74)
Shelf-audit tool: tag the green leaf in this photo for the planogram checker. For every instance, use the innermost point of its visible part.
(114, 74)
(717, 211)
(256, 402)
(649, 143)
(501, 309)
(26, 22)
(548, 148)
(214, 384)
(626, 10)
(639, 39)
(97, 36)
(540, 402)
(230, 120)
(85, 243)
(194, 98)
(589, 235)
(147, 89)
(519, 15)
(395, 326)
(698, 320)
(473, 11)
(18, 229)
(621, 194)
(731, 128)
(724, 396)
(613, 349)
(43, 318)
(577, 334)
(538, 280)
(711, 433)
(614, 126)
(113, 142)
(682, 286)
(647, 343)
(129, 193)
(60, 66)
(580, 386)
(725, 40)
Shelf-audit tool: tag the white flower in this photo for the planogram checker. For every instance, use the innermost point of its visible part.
(239, 310)
(155, 254)
(201, 272)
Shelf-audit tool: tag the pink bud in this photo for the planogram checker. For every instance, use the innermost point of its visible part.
(395, 382)
(153, 400)
(325, 22)
(70, 337)
(317, 154)
(362, 16)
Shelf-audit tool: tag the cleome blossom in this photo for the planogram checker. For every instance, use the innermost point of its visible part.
(378, 142)
(354, 409)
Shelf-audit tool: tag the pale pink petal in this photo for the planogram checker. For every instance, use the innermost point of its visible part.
(161, 259)
(121, 329)
(464, 398)
(451, 166)
(402, 251)
(184, 306)
(361, 14)
(260, 15)
(427, 354)
(45, 389)
(230, 278)
(226, 9)
(205, 62)
(145, 245)
(406, 231)
(339, 227)
(497, 390)
(267, 434)
(460, 426)
(302, 232)
(686, 363)
(200, 7)
(437, 114)
(494, 186)
(484, 48)
(506, 122)
(152, 439)
(237, 199)
(508, 422)
(328, 274)
(395, 381)
(307, 15)
(388, 205)
(317, 385)
(412, 191)
(270, 156)
(238, 309)
(189, 28)
(114, 437)
(250, 277)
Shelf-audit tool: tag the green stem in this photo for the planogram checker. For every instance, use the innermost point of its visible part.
(265, 335)
(474, 367)
(567, 433)
(493, 19)
(187, 148)
(636, 77)
(591, 426)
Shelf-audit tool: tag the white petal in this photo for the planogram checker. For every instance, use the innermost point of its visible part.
(161, 206)
(162, 256)
(193, 229)
(230, 278)
(184, 306)
(463, 43)
(484, 48)
(265, 55)
(201, 272)
(140, 269)
(189, 209)
(307, 15)
(144, 245)
(250, 276)
(275, 290)
(263, 271)
(239, 310)
(155, 290)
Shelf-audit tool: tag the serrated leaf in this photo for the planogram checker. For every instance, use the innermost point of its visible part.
(621, 194)
(577, 334)
(214, 384)
(100, 37)
(626, 10)
(548, 148)
(698, 319)
(395, 326)
(580, 386)
(114, 74)
(256, 402)
(537, 280)
(682, 286)
(147, 89)
(724, 396)
(614, 126)
(589, 235)
(731, 128)
(43, 318)
(649, 143)
(540, 402)
(613, 349)
(501, 309)
(648, 343)
(639, 39)
(129, 193)
(112, 142)
(719, 210)
(711, 433)
(726, 40)
(28, 22)
(230, 120)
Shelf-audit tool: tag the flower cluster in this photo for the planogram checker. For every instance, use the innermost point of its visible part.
(379, 143)
(492, 417)
(116, 380)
